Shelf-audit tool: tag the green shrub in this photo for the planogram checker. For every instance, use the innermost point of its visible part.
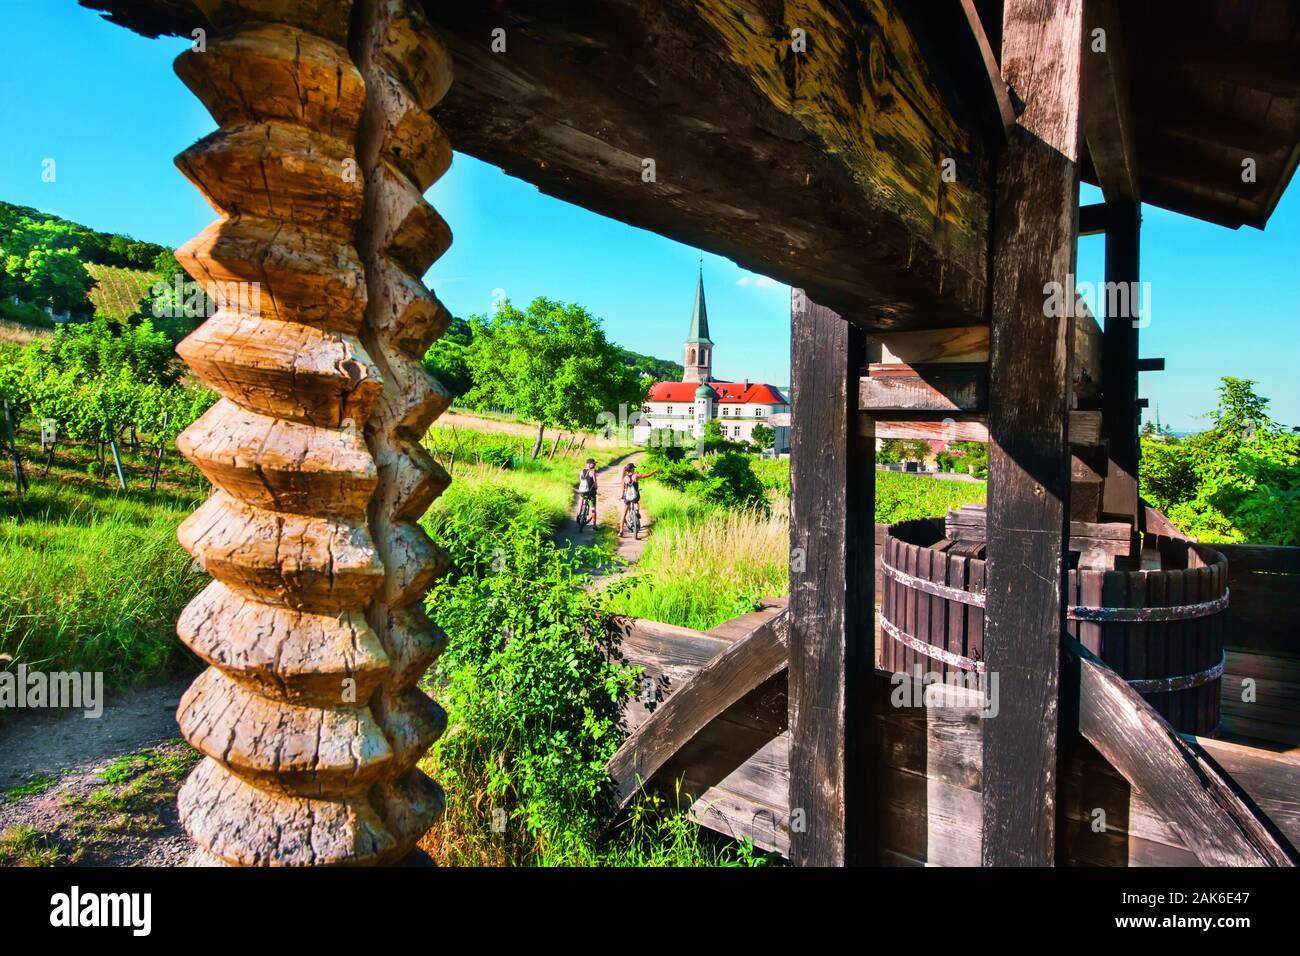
(25, 313)
(528, 683)
(1238, 481)
(730, 483)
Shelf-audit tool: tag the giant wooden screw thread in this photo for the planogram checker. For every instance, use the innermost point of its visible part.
(309, 717)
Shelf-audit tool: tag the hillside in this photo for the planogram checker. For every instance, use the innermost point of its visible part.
(48, 262)
(117, 291)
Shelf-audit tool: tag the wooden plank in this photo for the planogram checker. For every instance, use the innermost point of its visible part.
(1084, 426)
(1264, 608)
(732, 674)
(969, 344)
(1188, 791)
(1029, 462)
(931, 387)
(1106, 106)
(1087, 356)
(824, 177)
(1272, 781)
(832, 645)
(1151, 365)
(1092, 219)
(1119, 356)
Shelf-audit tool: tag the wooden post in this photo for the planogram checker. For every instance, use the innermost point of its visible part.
(1029, 462)
(20, 478)
(1119, 360)
(309, 716)
(832, 581)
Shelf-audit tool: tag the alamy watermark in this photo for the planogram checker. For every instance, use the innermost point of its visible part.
(955, 689)
(26, 689)
(1123, 300)
(194, 300)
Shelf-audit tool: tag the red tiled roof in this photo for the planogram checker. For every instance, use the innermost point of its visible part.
(729, 392)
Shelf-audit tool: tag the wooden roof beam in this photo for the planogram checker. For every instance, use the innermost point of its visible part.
(1105, 104)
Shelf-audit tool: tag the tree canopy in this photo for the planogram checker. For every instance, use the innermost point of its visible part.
(550, 364)
(1239, 480)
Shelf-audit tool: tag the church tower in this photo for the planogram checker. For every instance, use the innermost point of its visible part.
(698, 357)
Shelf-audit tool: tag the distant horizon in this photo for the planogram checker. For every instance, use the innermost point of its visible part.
(1225, 303)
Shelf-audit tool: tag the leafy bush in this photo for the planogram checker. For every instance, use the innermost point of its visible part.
(530, 691)
(1237, 481)
(729, 483)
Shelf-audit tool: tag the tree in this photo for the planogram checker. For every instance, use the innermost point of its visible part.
(446, 359)
(903, 449)
(763, 437)
(551, 364)
(1237, 481)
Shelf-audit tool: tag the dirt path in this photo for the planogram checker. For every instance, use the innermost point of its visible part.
(628, 550)
(95, 791)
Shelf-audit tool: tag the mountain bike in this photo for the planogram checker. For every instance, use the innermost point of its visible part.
(584, 513)
(632, 521)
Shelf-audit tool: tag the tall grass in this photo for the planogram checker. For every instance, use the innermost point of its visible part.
(94, 580)
(698, 571)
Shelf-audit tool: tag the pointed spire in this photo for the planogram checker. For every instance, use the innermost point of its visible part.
(700, 314)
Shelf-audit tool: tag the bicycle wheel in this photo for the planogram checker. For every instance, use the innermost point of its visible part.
(582, 514)
(635, 513)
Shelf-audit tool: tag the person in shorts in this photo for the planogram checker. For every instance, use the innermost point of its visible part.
(587, 487)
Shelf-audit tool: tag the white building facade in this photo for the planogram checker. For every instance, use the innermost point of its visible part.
(689, 405)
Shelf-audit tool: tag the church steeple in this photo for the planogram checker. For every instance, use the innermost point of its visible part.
(698, 362)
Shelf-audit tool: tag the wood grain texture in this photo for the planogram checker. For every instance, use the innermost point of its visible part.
(1188, 790)
(948, 386)
(1029, 462)
(832, 579)
(822, 168)
(282, 715)
(719, 684)
(401, 151)
(308, 717)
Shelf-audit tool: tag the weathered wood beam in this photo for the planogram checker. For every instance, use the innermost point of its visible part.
(832, 585)
(1174, 774)
(1106, 105)
(1119, 360)
(948, 386)
(1006, 109)
(826, 166)
(719, 684)
(1029, 460)
(1084, 427)
(1092, 219)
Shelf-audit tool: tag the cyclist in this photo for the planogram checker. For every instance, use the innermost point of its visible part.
(631, 491)
(587, 488)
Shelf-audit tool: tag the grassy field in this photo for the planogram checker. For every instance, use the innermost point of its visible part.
(93, 577)
(705, 565)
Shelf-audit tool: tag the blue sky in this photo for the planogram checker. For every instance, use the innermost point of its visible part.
(106, 106)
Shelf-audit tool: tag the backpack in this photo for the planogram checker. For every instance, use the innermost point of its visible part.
(584, 483)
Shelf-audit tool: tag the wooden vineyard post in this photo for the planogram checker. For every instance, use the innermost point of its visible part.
(20, 477)
(832, 584)
(309, 717)
(1029, 461)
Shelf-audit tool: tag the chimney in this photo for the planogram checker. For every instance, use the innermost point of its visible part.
(747, 385)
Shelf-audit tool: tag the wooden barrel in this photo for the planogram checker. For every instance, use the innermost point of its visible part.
(1160, 628)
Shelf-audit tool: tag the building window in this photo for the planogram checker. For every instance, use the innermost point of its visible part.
(670, 410)
(758, 411)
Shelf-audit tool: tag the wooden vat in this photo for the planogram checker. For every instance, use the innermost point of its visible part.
(1161, 628)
